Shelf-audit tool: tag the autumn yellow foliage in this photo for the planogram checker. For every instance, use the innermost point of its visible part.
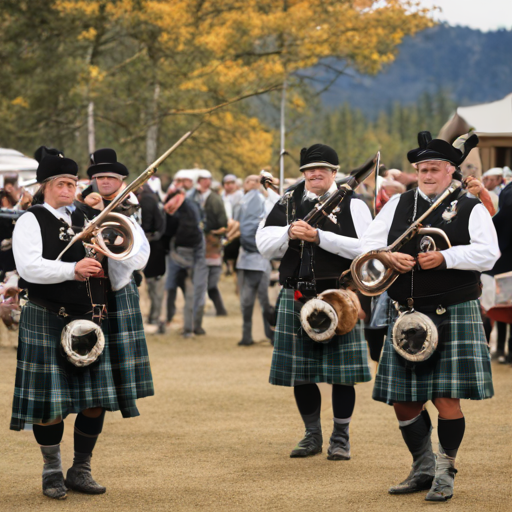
(166, 63)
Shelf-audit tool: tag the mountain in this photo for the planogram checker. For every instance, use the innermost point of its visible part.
(470, 65)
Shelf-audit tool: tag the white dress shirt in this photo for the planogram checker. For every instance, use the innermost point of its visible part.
(481, 254)
(272, 241)
(27, 245)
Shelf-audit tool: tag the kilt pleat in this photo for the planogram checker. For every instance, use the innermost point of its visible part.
(131, 370)
(296, 357)
(463, 369)
(47, 385)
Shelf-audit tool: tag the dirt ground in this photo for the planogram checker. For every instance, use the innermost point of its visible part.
(216, 437)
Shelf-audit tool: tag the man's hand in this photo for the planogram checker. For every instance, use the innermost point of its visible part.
(431, 259)
(400, 261)
(474, 186)
(94, 200)
(172, 206)
(87, 267)
(303, 231)
(25, 200)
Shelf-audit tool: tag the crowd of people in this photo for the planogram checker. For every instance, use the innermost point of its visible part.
(186, 236)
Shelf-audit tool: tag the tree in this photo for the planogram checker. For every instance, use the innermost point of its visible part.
(147, 70)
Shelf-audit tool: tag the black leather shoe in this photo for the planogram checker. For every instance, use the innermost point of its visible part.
(310, 445)
(245, 343)
(414, 483)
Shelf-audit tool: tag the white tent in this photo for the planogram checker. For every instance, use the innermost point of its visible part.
(493, 118)
(14, 161)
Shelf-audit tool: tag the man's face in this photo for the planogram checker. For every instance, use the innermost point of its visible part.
(60, 192)
(230, 187)
(491, 182)
(434, 176)
(204, 184)
(251, 183)
(13, 191)
(107, 185)
(187, 183)
(319, 179)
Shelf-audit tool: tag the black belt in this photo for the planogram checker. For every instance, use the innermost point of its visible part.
(449, 298)
(321, 284)
(63, 311)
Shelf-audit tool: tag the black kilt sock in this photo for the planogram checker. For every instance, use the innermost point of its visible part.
(309, 401)
(87, 431)
(343, 401)
(49, 435)
(450, 433)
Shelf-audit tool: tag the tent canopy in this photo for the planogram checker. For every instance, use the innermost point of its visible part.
(493, 118)
(14, 161)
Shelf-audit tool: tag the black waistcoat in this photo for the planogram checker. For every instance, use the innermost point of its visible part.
(434, 287)
(326, 265)
(72, 295)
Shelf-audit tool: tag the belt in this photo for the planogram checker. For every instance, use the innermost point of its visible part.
(449, 298)
(63, 311)
(321, 284)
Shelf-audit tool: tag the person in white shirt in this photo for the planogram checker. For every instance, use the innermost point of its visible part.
(48, 387)
(445, 286)
(298, 361)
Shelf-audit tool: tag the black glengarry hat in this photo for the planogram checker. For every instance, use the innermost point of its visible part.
(105, 161)
(438, 149)
(42, 151)
(319, 155)
(54, 166)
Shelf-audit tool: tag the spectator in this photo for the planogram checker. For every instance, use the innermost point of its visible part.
(153, 224)
(231, 195)
(252, 268)
(184, 243)
(214, 225)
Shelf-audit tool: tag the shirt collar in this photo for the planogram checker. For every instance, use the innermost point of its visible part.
(311, 196)
(61, 213)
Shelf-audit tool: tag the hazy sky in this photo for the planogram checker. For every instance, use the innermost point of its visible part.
(482, 14)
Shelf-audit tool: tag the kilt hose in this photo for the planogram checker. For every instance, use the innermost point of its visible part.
(48, 386)
(296, 357)
(463, 369)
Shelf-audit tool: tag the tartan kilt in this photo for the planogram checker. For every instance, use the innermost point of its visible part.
(47, 385)
(463, 369)
(129, 357)
(296, 357)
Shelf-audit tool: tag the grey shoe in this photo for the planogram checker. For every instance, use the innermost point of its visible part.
(53, 478)
(311, 444)
(339, 445)
(442, 486)
(79, 476)
(423, 467)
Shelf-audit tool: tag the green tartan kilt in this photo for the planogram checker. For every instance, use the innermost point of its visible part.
(48, 386)
(129, 357)
(296, 357)
(463, 369)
